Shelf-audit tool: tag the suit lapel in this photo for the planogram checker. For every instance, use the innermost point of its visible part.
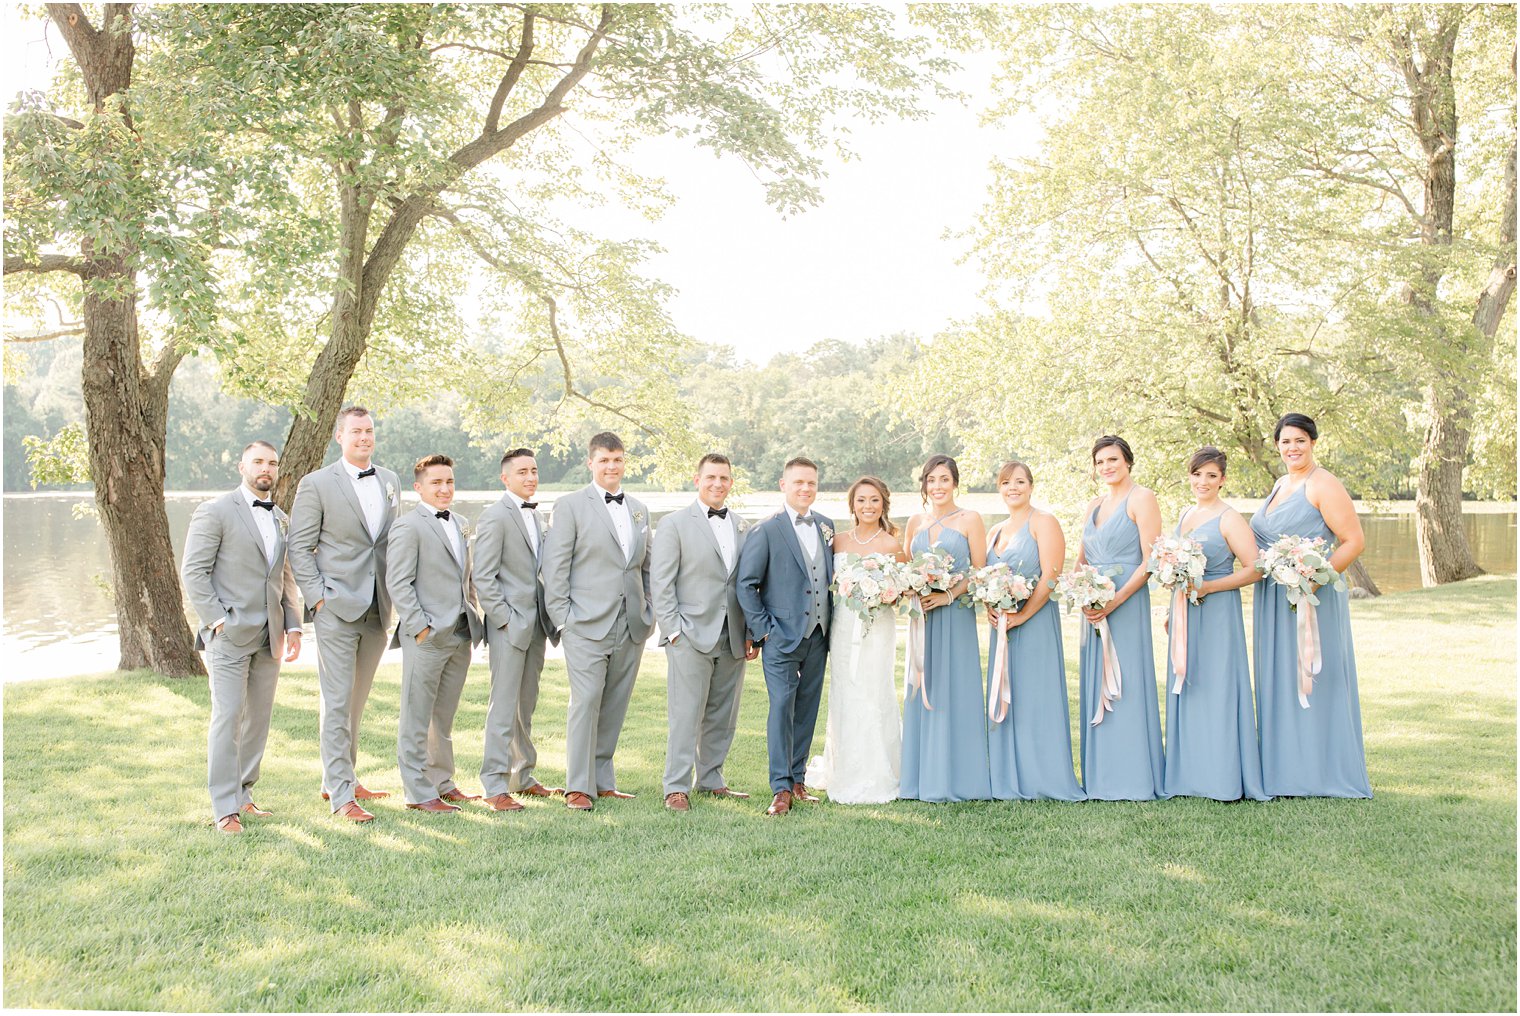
(279, 539)
(346, 486)
(790, 528)
(599, 509)
(698, 512)
(733, 520)
(241, 508)
(517, 519)
(434, 524)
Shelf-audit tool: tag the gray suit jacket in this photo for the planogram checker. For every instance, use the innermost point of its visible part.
(694, 594)
(586, 577)
(426, 582)
(332, 554)
(227, 575)
(507, 579)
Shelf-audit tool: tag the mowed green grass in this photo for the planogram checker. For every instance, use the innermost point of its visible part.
(119, 894)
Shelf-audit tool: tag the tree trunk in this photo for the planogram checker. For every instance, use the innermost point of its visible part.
(1424, 53)
(126, 418)
(1360, 580)
(126, 406)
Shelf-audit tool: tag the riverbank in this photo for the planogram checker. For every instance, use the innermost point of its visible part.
(119, 894)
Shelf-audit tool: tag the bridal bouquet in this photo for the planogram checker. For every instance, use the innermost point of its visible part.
(1086, 588)
(1177, 562)
(999, 587)
(866, 582)
(1299, 565)
(932, 571)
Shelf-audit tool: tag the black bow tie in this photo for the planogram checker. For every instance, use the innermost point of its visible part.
(366, 472)
(613, 497)
(268, 506)
(444, 515)
(530, 505)
(803, 520)
(721, 513)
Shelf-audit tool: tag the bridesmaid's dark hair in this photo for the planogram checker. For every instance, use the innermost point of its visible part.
(886, 501)
(1203, 456)
(1114, 441)
(935, 461)
(1007, 468)
(1298, 420)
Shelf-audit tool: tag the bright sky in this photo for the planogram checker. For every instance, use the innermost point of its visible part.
(871, 260)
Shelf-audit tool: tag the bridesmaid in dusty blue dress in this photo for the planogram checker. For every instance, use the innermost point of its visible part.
(1211, 748)
(944, 748)
(1313, 752)
(1121, 752)
(1030, 750)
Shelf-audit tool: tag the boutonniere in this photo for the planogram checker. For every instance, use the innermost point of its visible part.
(284, 524)
(390, 492)
(828, 534)
(638, 518)
(743, 525)
(464, 526)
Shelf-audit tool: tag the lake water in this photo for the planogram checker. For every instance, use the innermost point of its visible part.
(58, 615)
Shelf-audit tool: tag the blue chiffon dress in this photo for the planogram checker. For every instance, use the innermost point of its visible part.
(1211, 748)
(1030, 750)
(1314, 752)
(944, 749)
(1121, 756)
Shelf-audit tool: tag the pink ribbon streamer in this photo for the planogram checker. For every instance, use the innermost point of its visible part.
(999, 694)
(917, 677)
(1111, 687)
(1179, 637)
(1309, 656)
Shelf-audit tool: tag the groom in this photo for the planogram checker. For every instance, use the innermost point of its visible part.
(785, 569)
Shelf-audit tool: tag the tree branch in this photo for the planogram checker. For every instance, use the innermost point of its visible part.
(510, 78)
(47, 263)
(74, 328)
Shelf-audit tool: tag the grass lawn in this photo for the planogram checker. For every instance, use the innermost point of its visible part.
(120, 894)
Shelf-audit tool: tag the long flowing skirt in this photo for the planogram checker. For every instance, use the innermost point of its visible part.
(1121, 756)
(944, 754)
(862, 747)
(1030, 750)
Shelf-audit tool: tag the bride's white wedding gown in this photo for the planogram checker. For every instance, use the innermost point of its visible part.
(862, 748)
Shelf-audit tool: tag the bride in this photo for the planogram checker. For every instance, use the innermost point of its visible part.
(862, 749)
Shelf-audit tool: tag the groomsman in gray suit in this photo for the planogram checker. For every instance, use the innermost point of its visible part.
(693, 583)
(338, 528)
(427, 569)
(508, 539)
(596, 590)
(235, 573)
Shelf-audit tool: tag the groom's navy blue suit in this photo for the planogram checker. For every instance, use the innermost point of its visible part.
(775, 580)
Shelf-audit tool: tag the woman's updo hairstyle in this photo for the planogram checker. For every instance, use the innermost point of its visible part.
(935, 461)
(1298, 420)
(1114, 441)
(1205, 455)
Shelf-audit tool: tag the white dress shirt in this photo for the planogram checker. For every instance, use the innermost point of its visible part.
(621, 520)
(371, 496)
(807, 535)
(263, 518)
(723, 532)
(529, 520)
(456, 538)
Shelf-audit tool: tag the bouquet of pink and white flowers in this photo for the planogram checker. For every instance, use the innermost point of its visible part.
(866, 583)
(999, 587)
(1086, 588)
(932, 571)
(1301, 565)
(1177, 563)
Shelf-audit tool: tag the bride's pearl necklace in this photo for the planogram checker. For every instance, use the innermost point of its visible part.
(864, 543)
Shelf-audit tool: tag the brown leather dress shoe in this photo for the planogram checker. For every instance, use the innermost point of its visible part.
(800, 793)
(459, 795)
(504, 802)
(354, 813)
(436, 804)
(781, 803)
(229, 824)
(361, 793)
(677, 802)
(615, 793)
(539, 790)
(252, 809)
(577, 801)
(726, 792)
